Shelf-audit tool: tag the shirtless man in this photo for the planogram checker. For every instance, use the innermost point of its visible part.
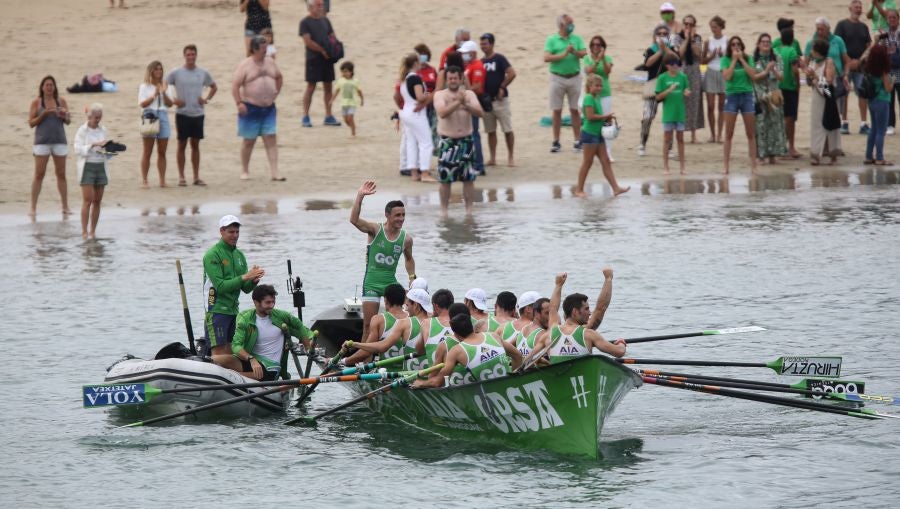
(455, 107)
(385, 243)
(257, 82)
(572, 338)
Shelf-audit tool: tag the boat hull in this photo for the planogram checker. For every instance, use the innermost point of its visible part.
(182, 373)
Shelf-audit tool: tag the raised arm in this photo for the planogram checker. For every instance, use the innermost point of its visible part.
(367, 188)
(603, 300)
(555, 299)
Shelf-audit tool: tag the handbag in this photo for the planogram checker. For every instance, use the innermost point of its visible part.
(486, 104)
(610, 130)
(831, 118)
(150, 122)
(333, 46)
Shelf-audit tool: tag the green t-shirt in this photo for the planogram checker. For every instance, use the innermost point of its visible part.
(878, 21)
(788, 57)
(881, 94)
(796, 45)
(673, 104)
(836, 48)
(556, 44)
(587, 61)
(739, 82)
(591, 126)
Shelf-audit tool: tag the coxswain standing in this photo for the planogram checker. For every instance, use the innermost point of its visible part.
(386, 242)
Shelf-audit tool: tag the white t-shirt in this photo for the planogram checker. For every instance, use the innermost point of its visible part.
(720, 43)
(270, 341)
(146, 91)
(270, 50)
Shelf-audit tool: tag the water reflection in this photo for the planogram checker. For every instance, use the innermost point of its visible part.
(687, 186)
(256, 207)
(95, 254)
(828, 177)
(324, 205)
(459, 233)
(776, 182)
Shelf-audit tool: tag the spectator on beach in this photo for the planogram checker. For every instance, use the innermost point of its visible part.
(415, 120)
(857, 38)
(315, 29)
(499, 73)
(770, 135)
(455, 106)
(667, 15)
(92, 176)
(820, 74)
(592, 137)
(878, 14)
(460, 36)
(837, 52)
(789, 86)
(782, 24)
(878, 67)
(347, 88)
(112, 3)
(474, 71)
(713, 83)
(674, 89)
(256, 84)
(738, 72)
(891, 40)
(429, 77)
(564, 50)
(154, 99)
(189, 82)
(654, 63)
(599, 63)
(454, 59)
(48, 115)
(257, 19)
(690, 50)
(270, 41)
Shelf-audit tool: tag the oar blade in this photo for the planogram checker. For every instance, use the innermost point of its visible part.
(734, 330)
(103, 395)
(798, 365)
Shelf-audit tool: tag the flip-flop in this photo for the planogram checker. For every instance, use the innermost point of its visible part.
(279, 179)
(869, 161)
(199, 182)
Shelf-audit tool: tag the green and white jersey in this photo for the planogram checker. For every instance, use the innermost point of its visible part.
(526, 344)
(567, 346)
(409, 344)
(510, 333)
(492, 324)
(382, 257)
(486, 360)
(390, 321)
(437, 333)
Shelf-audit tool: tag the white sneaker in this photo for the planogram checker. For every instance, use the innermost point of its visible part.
(890, 131)
(641, 151)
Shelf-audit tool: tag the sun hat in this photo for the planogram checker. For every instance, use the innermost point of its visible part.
(477, 296)
(421, 297)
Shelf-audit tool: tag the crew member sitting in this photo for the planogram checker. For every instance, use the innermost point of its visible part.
(260, 343)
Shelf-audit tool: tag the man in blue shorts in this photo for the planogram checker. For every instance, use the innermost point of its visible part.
(257, 82)
(455, 108)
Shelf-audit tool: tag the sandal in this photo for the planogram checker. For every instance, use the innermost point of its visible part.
(182, 183)
(869, 161)
(882, 162)
(199, 182)
(279, 179)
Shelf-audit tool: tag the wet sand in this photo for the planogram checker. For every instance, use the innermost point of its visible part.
(326, 161)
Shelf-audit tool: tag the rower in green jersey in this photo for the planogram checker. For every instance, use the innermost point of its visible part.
(435, 330)
(405, 333)
(571, 339)
(504, 311)
(382, 324)
(476, 301)
(531, 333)
(386, 242)
(478, 354)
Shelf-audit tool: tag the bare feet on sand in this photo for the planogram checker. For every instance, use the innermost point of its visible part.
(621, 190)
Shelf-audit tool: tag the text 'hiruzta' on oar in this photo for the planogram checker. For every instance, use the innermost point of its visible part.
(823, 366)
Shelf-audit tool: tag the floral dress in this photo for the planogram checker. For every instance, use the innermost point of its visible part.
(770, 138)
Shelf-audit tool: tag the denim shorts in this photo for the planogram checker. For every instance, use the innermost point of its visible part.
(856, 81)
(259, 121)
(591, 139)
(740, 103)
(165, 129)
(673, 126)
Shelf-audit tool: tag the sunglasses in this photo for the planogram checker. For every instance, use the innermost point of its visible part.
(662, 34)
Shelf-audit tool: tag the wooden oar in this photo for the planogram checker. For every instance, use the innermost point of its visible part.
(369, 395)
(732, 330)
(187, 312)
(863, 413)
(818, 385)
(829, 366)
(101, 395)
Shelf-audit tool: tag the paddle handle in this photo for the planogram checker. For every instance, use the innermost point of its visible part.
(187, 311)
(209, 406)
(648, 339)
(671, 362)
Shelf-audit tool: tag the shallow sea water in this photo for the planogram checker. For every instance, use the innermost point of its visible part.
(811, 256)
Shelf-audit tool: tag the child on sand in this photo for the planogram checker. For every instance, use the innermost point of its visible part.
(671, 88)
(347, 88)
(270, 39)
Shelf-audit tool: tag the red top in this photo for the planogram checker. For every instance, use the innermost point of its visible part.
(451, 49)
(475, 75)
(429, 76)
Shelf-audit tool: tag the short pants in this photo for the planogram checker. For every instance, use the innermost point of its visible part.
(220, 329)
(259, 121)
(189, 127)
(455, 157)
(742, 102)
(673, 126)
(57, 149)
(94, 174)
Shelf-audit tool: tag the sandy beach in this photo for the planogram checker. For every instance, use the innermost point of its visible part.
(69, 39)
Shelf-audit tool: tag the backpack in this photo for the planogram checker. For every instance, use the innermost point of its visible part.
(867, 88)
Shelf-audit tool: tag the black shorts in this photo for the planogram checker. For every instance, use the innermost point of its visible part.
(791, 101)
(189, 127)
(318, 70)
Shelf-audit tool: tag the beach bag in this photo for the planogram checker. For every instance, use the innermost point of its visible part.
(333, 46)
(610, 130)
(149, 124)
(831, 118)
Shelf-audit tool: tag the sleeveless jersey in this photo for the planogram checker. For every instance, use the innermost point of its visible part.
(493, 324)
(409, 345)
(526, 344)
(566, 346)
(511, 333)
(390, 321)
(487, 360)
(382, 257)
(437, 333)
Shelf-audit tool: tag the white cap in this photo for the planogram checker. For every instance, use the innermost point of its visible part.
(421, 297)
(527, 299)
(228, 221)
(420, 283)
(477, 296)
(467, 46)
(667, 7)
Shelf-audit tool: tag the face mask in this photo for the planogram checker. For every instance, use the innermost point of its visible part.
(570, 27)
(423, 59)
(668, 16)
(466, 57)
